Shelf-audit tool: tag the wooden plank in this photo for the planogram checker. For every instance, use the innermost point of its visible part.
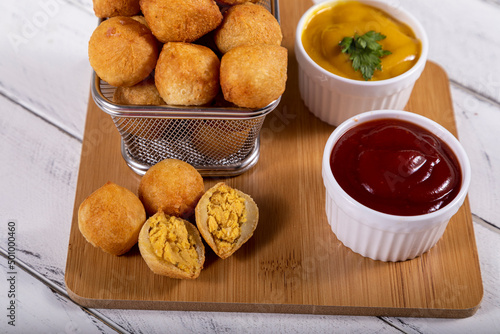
(294, 263)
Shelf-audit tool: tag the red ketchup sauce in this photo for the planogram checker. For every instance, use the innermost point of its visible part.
(396, 167)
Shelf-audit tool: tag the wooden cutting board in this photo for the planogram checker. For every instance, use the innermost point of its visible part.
(293, 263)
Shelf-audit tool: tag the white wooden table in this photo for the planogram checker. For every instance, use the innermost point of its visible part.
(44, 89)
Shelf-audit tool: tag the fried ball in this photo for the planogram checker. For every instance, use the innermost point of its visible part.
(247, 24)
(143, 93)
(234, 2)
(110, 8)
(252, 76)
(172, 186)
(141, 19)
(187, 74)
(122, 51)
(111, 218)
(146, 94)
(218, 139)
(172, 247)
(226, 218)
(181, 20)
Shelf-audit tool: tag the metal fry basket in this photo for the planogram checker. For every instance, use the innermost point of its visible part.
(217, 141)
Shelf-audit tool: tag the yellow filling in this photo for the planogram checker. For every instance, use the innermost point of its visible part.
(171, 242)
(226, 214)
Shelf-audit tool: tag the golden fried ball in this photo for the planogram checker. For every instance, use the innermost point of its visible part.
(218, 139)
(143, 93)
(187, 74)
(247, 24)
(181, 20)
(141, 19)
(122, 51)
(110, 8)
(234, 2)
(252, 76)
(146, 94)
(172, 186)
(111, 218)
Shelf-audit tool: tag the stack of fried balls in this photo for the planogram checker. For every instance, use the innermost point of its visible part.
(187, 52)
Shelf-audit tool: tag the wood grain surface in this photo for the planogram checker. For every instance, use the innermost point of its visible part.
(293, 263)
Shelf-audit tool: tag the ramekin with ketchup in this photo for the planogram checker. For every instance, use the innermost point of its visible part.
(393, 180)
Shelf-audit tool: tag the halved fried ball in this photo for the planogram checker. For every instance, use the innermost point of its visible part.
(226, 218)
(122, 51)
(247, 24)
(181, 20)
(111, 218)
(252, 76)
(187, 74)
(110, 8)
(172, 247)
(172, 186)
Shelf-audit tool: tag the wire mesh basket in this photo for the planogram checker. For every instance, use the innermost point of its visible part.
(217, 141)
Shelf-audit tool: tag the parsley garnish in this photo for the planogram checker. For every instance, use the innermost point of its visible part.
(365, 52)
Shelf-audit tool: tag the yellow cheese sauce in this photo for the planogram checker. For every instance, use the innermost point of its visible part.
(330, 24)
(171, 242)
(226, 212)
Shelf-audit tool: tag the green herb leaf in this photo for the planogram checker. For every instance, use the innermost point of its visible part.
(365, 52)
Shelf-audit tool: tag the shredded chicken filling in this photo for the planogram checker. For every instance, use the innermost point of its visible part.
(171, 242)
(226, 214)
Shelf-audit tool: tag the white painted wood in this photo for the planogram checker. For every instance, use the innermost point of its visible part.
(478, 122)
(44, 63)
(47, 72)
(38, 179)
(464, 39)
(206, 322)
(37, 309)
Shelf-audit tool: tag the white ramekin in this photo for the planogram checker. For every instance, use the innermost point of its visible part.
(333, 98)
(381, 236)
